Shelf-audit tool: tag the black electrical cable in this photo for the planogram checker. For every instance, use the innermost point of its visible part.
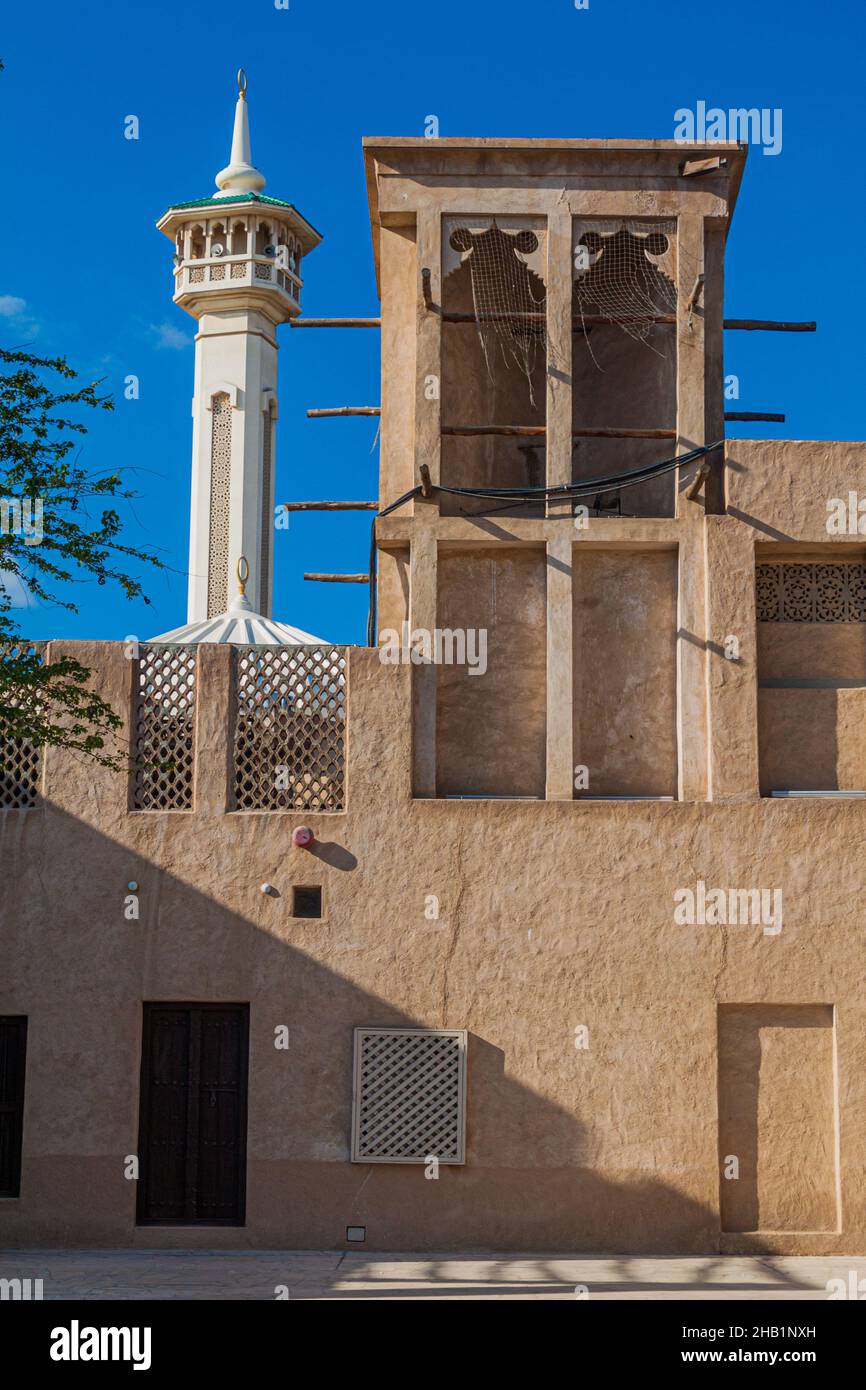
(522, 496)
(606, 483)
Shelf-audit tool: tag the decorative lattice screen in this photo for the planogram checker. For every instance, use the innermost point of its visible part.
(410, 1096)
(290, 729)
(20, 760)
(811, 593)
(220, 497)
(164, 729)
(267, 531)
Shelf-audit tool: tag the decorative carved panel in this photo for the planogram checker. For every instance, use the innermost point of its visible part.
(811, 593)
(220, 494)
(267, 518)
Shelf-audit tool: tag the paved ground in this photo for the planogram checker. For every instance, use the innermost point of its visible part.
(258, 1274)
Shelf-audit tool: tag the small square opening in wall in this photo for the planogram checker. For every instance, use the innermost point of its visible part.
(356, 1233)
(306, 902)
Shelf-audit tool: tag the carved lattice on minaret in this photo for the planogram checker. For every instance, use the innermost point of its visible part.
(267, 464)
(220, 492)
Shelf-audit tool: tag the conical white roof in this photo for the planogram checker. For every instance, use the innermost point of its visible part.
(240, 174)
(241, 626)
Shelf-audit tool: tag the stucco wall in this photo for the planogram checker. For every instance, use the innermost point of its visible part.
(490, 727)
(552, 916)
(812, 702)
(812, 739)
(625, 610)
(777, 1118)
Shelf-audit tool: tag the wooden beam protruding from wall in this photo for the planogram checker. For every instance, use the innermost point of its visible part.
(339, 578)
(330, 506)
(330, 411)
(335, 323)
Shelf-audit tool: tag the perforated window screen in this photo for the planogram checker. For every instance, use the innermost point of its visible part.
(20, 759)
(164, 738)
(220, 499)
(409, 1096)
(290, 729)
(811, 593)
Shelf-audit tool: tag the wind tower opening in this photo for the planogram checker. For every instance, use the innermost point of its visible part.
(624, 396)
(494, 348)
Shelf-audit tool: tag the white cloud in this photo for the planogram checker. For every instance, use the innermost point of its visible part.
(167, 336)
(11, 307)
(15, 310)
(17, 591)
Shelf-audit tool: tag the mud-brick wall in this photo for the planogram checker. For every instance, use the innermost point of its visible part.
(812, 705)
(491, 726)
(552, 917)
(624, 653)
(777, 1118)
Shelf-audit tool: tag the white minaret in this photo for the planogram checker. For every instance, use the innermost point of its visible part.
(237, 272)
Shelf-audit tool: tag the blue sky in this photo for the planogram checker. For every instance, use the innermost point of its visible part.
(85, 273)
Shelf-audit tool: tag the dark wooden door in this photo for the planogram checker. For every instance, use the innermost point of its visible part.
(193, 1114)
(13, 1049)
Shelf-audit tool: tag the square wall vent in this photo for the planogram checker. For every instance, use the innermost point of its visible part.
(409, 1102)
(306, 902)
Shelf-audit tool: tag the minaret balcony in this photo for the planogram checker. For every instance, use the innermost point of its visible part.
(244, 272)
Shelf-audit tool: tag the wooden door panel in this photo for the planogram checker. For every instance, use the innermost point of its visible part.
(193, 1114)
(13, 1049)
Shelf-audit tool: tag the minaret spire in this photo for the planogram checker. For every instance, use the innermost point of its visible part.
(240, 175)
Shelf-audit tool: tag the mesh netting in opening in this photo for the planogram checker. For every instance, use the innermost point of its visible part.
(626, 273)
(508, 297)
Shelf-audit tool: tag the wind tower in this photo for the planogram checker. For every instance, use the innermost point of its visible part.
(237, 271)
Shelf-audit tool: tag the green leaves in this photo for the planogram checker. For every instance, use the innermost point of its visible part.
(39, 459)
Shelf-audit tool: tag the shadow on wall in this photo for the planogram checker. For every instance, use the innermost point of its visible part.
(71, 961)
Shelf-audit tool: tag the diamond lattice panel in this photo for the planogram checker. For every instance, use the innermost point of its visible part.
(290, 729)
(410, 1096)
(164, 747)
(20, 760)
(220, 500)
(811, 593)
